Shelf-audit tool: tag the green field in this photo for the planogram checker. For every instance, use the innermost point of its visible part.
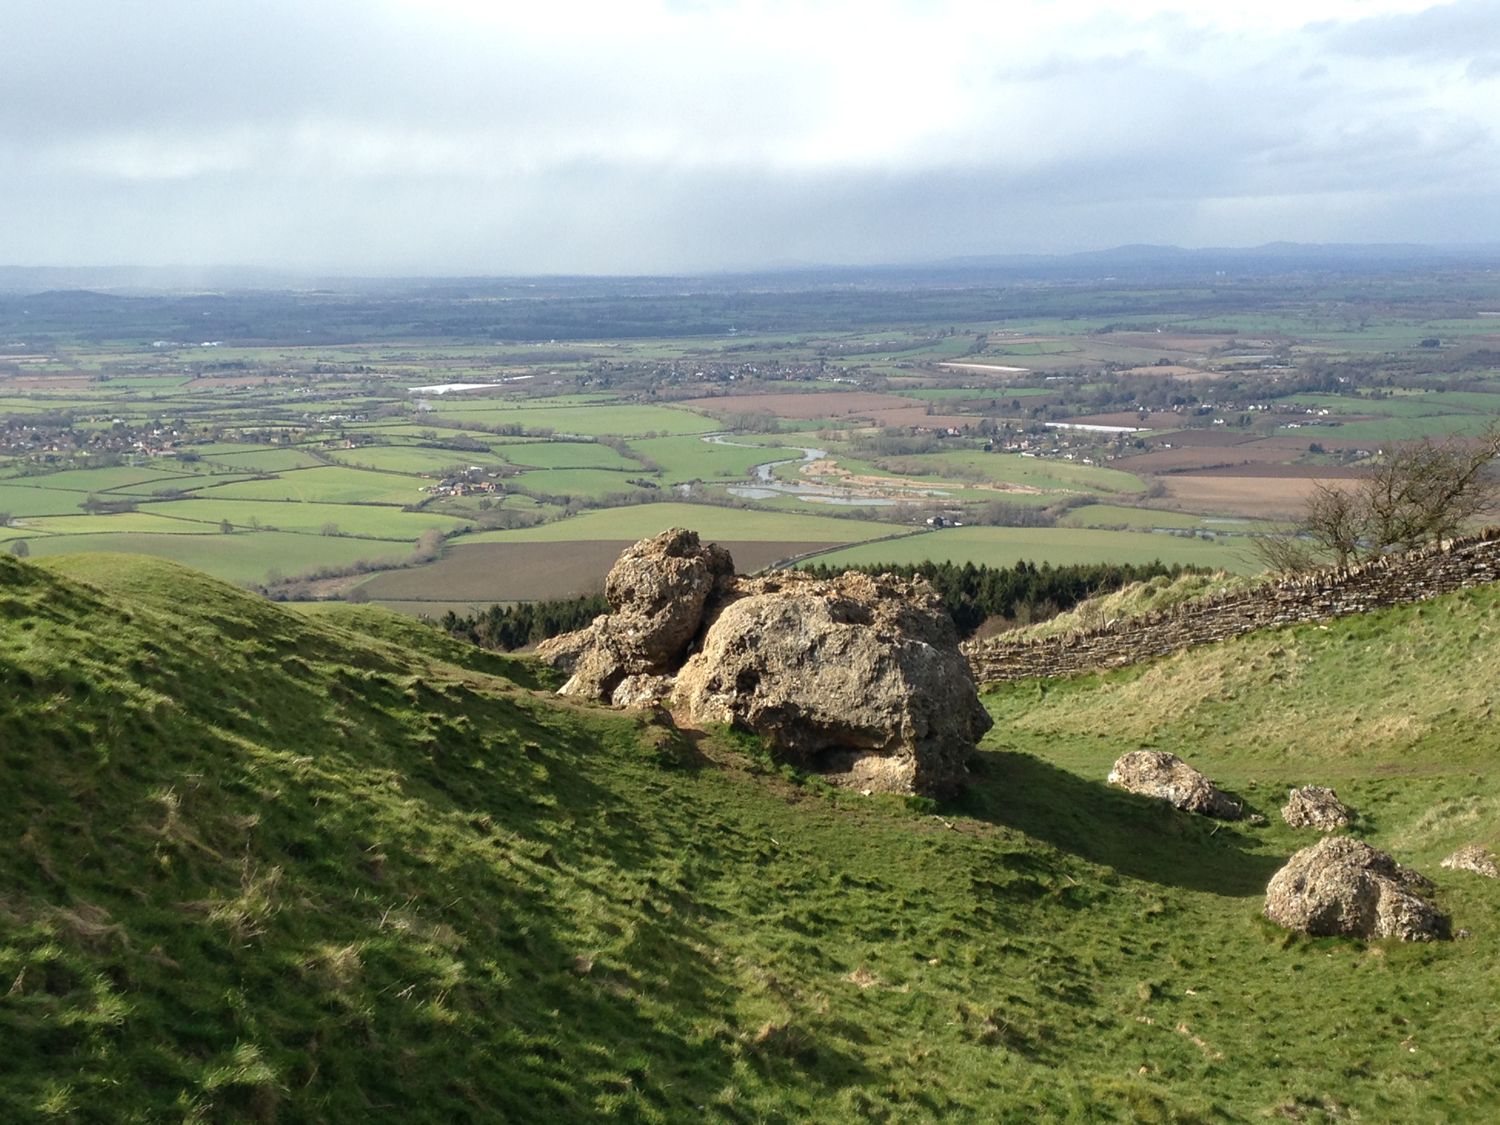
(564, 484)
(351, 519)
(564, 455)
(617, 419)
(692, 458)
(327, 485)
(1049, 474)
(101, 480)
(1116, 515)
(1005, 546)
(268, 460)
(246, 556)
(29, 500)
(118, 522)
(411, 459)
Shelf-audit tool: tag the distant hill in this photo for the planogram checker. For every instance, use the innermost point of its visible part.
(268, 866)
(1128, 262)
(1272, 259)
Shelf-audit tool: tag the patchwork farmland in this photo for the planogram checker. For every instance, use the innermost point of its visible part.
(428, 468)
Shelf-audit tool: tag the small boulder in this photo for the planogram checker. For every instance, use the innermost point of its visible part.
(1472, 857)
(1315, 806)
(1155, 773)
(857, 677)
(1343, 886)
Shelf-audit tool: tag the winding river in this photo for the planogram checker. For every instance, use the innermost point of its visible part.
(765, 485)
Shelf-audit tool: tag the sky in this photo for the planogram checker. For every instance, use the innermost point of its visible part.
(445, 137)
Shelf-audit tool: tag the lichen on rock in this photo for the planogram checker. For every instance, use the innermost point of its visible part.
(1156, 773)
(857, 677)
(1472, 857)
(1316, 806)
(1343, 886)
(657, 591)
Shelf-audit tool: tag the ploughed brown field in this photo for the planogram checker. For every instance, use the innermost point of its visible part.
(1199, 457)
(1172, 370)
(1289, 472)
(510, 572)
(47, 382)
(1218, 436)
(1329, 439)
(1261, 497)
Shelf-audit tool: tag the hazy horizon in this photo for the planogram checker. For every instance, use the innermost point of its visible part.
(408, 138)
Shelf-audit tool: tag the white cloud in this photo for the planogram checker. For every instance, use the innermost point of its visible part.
(670, 133)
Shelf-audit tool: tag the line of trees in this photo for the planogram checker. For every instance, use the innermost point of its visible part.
(1022, 594)
(972, 594)
(509, 627)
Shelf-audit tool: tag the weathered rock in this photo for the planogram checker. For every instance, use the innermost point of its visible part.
(1315, 806)
(1343, 886)
(1155, 773)
(564, 651)
(641, 692)
(1472, 857)
(658, 590)
(859, 678)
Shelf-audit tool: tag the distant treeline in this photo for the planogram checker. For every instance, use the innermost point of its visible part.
(589, 309)
(508, 627)
(972, 595)
(1022, 593)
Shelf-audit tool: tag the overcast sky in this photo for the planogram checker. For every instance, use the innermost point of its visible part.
(485, 136)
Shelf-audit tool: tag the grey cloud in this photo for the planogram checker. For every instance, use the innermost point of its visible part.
(1483, 67)
(379, 138)
(1448, 31)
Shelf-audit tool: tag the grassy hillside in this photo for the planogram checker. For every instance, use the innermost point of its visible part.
(341, 868)
(1135, 600)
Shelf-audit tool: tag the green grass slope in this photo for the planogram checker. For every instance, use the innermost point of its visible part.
(265, 866)
(1136, 600)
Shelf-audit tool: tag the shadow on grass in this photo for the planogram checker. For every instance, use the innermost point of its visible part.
(1135, 836)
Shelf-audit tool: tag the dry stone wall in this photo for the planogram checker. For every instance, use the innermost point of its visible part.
(1334, 592)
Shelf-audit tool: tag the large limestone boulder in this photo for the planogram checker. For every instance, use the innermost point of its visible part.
(657, 590)
(1155, 773)
(1316, 806)
(859, 678)
(856, 677)
(1343, 886)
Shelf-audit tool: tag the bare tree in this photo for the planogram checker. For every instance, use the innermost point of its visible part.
(1417, 494)
(1334, 520)
(1429, 491)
